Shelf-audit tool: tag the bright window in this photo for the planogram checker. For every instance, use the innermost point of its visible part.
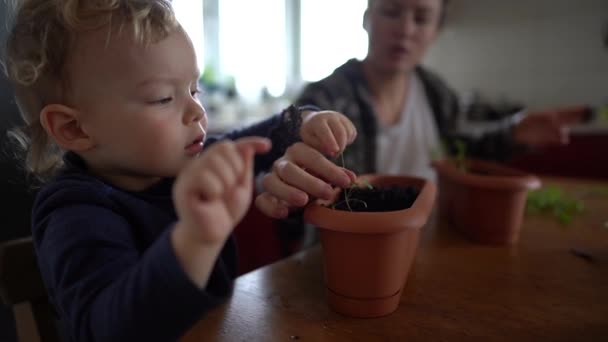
(253, 45)
(189, 13)
(332, 33)
(253, 42)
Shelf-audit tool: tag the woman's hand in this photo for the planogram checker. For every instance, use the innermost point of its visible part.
(548, 127)
(301, 173)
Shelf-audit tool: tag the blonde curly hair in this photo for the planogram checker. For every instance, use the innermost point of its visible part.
(42, 36)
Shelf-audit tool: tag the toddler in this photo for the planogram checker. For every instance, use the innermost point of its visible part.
(132, 226)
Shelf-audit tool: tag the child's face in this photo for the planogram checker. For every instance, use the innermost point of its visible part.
(139, 104)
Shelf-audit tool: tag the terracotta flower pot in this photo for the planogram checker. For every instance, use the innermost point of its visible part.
(486, 203)
(367, 255)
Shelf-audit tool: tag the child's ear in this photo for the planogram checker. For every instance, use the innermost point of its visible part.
(63, 124)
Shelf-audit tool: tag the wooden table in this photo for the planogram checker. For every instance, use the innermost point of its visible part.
(537, 290)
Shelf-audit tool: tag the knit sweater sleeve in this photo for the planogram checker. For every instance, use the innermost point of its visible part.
(317, 94)
(282, 129)
(103, 284)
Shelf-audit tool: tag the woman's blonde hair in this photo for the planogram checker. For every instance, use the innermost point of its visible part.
(43, 33)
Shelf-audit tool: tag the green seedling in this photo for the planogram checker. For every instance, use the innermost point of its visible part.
(553, 201)
(603, 113)
(353, 185)
(461, 155)
(438, 152)
(348, 199)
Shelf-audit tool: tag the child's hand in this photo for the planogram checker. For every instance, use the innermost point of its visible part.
(328, 132)
(213, 193)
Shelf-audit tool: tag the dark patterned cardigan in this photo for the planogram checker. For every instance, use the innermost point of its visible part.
(486, 131)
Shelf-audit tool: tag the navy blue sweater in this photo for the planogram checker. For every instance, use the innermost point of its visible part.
(107, 261)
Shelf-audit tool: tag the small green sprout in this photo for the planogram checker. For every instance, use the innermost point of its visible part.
(603, 113)
(461, 155)
(353, 185)
(366, 183)
(438, 152)
(552, 200)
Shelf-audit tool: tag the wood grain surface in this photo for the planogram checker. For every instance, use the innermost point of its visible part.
(551, 286)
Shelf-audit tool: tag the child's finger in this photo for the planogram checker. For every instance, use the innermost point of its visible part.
(205, 185)
(217, 171)
(322, 139)
(226, 164)
(248, 148)
(309, 138)
(246, 153)
(330, 144)
(257, 144)
(219, 168)
(350, 128)
(339, 133)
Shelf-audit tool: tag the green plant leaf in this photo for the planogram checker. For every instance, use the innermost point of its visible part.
(552, 200)
(603, 113)
(461, 155)
(353, 185)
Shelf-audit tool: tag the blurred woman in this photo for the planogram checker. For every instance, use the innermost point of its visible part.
(404, 113)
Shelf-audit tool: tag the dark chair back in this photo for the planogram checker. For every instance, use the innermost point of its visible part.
(21, 287)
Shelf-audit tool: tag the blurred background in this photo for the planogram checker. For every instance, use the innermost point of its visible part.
(255, 56)
(259, 53)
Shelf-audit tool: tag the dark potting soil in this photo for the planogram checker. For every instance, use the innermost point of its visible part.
(377, 199)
